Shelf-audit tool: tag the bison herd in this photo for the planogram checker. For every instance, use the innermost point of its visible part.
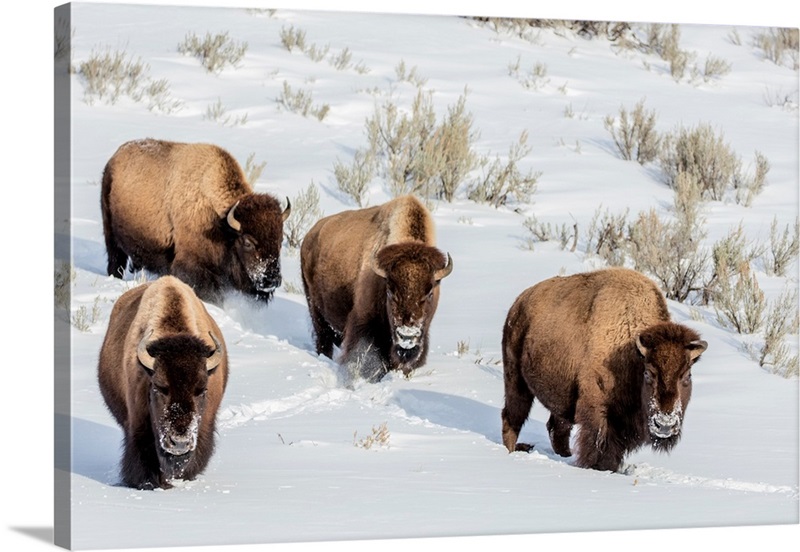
(598, 349)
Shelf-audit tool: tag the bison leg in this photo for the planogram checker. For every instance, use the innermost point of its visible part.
(140, 467)
(559, 430)
(117, 258)
(324, 335)
(597, 448)
(518, 403)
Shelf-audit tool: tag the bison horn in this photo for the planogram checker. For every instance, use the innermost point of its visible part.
(216, 357)
(696, 348)
(642, 349)
(288, 210)
(147, 360)
(448, 268)
(232, 222)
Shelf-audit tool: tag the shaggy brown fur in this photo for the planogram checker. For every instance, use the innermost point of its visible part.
(165, 207)
(164, 395)
(598, 350)
(371, 278)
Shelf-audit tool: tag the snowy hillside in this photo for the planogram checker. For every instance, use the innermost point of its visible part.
(293, 461)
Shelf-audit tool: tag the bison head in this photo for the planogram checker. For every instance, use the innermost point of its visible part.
(257, 225)
(411, 272)
(178, 369)
(669, 351)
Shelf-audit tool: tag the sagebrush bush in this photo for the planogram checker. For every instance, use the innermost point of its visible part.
(664, 40)
(635, 135)
(112, 74)
(418, 155)
(779, 45)
(399, 141)
(781, 319)
(292, 38)
(378, 438)
(109, 75)
(501, 180)
(353, 180)
(739, 301)
(545, 231)
(782, 248)
(305, 212)
(213, 51)
(670, 252)
(301, 101)
(534, 79)
(703, 154)
(405, 74)
(749, 186)
(218, 113)
(607, 236)
(728, 255)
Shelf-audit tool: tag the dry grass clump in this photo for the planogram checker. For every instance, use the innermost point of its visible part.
(305, 212)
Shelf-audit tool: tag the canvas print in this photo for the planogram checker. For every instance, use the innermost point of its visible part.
(327, 276)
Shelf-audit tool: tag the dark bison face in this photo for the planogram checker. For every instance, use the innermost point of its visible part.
(412, 273)
(257, 220)
(178, 368)
(669, 352)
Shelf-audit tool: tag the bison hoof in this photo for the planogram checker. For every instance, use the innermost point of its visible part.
(523, 447)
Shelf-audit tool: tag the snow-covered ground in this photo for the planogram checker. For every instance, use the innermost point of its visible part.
(288, 465)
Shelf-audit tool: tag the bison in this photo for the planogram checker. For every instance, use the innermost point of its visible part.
(371, 279)
(187, 210)
(162, 371)
(598, 350)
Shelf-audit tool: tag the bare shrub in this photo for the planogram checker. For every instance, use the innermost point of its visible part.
(449, 154)
(110, 75)
(315, 53)
(728, 255)
(670, 252)
(781, 319)
(782, 248)
(378, 438)
(739, 301)
(292, 38)
(253, 170)
(780, 98)
(607, 236)
(405, 74)
(342, 60)
(218, 113)
(779, 45)
(749, 186)
(521, 27)
(635, 135)
(400, 140)
(502, 180)
(213, 51)
(545, 231)
(305, 212)
(704, 155)
(534, 79)
(300, 101)
(715, 67)
(354, 180)
(664, 40)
